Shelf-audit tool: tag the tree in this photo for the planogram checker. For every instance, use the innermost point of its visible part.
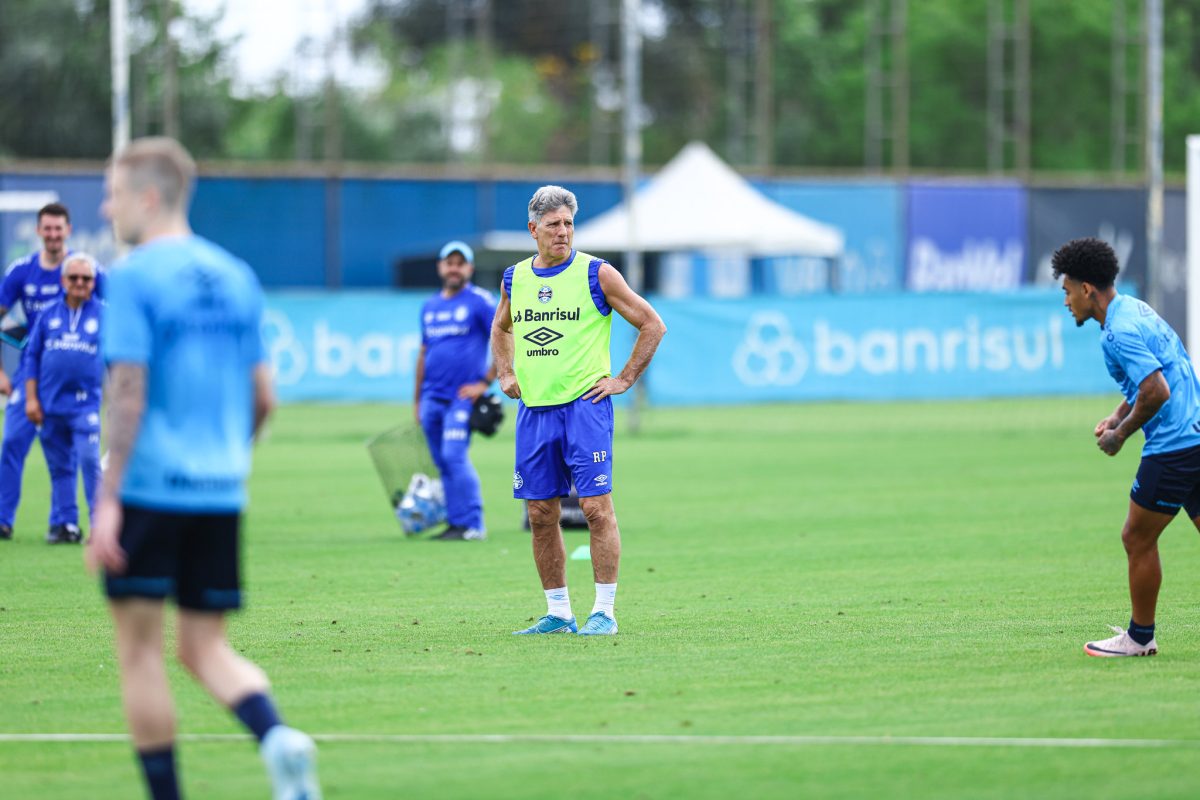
(54, 89)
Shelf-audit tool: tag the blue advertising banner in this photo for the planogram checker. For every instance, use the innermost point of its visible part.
(965, 237)
(901, 346)
(869, 215)
(1118, 216)
(343, 346)
(362, 346)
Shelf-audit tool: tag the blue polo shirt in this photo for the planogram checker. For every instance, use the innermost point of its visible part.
(32, 289)
(63, 356)
(456, 331)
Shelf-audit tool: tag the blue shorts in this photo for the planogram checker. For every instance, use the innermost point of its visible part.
(191, 557)
(558, 446)
(1167, 482)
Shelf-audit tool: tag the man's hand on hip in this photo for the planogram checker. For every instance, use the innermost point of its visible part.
(605, 387)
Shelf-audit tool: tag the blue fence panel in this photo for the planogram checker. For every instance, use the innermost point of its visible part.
(966, 237)
(277, 225)
(882, 347)
(384, 221)
(870, 215)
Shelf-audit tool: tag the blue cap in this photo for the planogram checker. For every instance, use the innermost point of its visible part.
(458, 247)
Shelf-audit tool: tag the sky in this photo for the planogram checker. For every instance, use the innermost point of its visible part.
(270, 38)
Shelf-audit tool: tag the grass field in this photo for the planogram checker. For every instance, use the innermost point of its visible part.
(902, 571)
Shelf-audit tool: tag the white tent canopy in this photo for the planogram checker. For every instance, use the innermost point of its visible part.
(697, 202)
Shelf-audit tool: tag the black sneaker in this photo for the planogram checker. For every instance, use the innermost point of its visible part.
(458, 533)
(452, 533)
(6, 532)
(64, 534)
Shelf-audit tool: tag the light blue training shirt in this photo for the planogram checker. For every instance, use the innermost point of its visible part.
(190, 313)
(1137, 342)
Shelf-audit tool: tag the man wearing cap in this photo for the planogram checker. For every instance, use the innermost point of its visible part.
(452, 372)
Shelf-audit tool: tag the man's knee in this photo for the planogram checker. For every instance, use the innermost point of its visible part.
(189, 654)
(1138, 540)
(543, 513)
(598, 510)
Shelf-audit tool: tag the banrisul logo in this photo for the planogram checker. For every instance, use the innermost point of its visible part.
(557, 315)
(544, 294)
(771, 353)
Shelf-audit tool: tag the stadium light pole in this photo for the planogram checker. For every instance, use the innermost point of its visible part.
(631, 57)
(631, 71)
(1193, 245)
(1154, 151)
(119, 53)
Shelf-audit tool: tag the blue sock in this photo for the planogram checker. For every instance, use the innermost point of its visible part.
(1142, 634)
(158, 766)
(257, 713)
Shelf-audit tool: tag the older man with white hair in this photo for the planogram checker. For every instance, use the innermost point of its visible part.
(550, 345)
(64, 376)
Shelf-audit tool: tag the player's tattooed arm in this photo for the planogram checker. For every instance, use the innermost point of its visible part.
(1153, 392)
(1113, 419)
(126, 404)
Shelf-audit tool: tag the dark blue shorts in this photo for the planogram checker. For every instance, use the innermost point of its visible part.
(1167, 482)
(558, 446)
(191, 557)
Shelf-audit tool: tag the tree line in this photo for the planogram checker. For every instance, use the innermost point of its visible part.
(771, 84)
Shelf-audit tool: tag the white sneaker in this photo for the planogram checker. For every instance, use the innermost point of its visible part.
(1120, 645)
(291, 758)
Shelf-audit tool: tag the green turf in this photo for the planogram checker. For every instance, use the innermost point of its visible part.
(903, 570)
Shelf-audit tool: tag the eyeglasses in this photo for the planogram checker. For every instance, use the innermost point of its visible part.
(80, 278)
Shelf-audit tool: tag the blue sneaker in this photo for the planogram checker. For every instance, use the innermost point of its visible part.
(599, 624)
(550, 624)
(291, 762)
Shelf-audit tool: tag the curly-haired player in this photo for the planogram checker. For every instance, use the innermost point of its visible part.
(1162, 397)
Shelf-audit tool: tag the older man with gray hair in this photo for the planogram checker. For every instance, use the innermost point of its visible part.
(64, 375)
(550, 345)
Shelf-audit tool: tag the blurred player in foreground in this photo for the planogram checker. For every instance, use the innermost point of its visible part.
(451, 374)
(64, 377)
(1162, 398)
(34, 283)
(189, 387)
(550, 347)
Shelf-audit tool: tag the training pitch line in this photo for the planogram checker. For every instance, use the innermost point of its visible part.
(754, 741)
